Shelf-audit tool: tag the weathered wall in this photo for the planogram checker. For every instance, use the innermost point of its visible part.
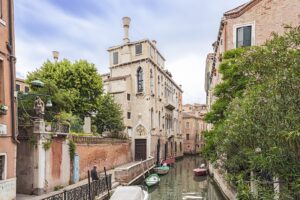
(58, 168)
(109, 154)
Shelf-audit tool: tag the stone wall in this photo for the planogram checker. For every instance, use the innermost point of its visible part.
(226, 189)
(110, 154)
(58, 168)
(125, 175)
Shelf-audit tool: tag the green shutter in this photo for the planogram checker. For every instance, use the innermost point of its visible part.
(247, 36)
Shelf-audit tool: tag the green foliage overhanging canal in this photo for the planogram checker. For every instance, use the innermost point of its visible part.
(76, 90)
(258, 107)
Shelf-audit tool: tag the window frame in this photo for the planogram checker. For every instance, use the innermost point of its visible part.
(138, 46)
(115, 59)
(187, 136)
(18, 86)
(140, 80)
(128, 115)
(4, 173)
(128, 97)
(237, 26)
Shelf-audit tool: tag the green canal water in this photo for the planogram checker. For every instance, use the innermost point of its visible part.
(181, 184)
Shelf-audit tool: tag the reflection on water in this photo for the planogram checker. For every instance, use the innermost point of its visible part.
(180, 183)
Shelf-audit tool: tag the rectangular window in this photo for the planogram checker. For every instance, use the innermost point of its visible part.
(187, 136)
(1, 82)
(243, 36)
(115, 58)
(128, 97)
(26, 89)
(128, 115)
(138, 49)
(2, 167)
(17, 87)
(129, 131)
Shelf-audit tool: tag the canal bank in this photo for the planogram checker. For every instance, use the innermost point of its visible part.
(219, 178)
(180, 183)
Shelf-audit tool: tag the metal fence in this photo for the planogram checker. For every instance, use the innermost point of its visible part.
(83, 192)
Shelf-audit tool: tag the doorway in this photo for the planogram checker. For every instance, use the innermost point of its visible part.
(140, 149)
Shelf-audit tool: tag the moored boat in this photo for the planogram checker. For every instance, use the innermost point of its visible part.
(201, 171)
(162, 170)
(130, 193)
(152, 179)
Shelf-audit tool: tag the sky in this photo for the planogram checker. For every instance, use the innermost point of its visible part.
(184, 31)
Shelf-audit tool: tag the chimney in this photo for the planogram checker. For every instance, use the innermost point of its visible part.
(55, 55)
(154, 42)
(126, 23)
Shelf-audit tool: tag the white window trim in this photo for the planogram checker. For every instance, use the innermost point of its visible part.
(5, 166)
(236, 26)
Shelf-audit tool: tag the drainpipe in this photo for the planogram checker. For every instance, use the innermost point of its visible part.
(12, 59)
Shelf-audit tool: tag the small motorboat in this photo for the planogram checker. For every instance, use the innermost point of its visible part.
(152, 179)
(130, 193)
(201, 171)
(162, 170)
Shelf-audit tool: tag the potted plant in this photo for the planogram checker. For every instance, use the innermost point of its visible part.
(3, 109)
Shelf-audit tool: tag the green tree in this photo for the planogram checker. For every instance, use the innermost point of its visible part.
(76, 91)
(75, 87)
(109, 116)
(265, 115)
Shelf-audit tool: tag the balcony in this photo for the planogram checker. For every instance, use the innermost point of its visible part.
(170, 105)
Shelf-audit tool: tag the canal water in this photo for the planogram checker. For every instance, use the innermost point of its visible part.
(181, 184)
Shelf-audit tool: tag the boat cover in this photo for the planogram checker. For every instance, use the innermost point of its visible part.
(128, 193)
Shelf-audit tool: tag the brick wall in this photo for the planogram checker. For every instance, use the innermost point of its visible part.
(110, 155)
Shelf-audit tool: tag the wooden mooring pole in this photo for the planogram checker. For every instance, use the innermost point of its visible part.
(106, 180)
(89, 181)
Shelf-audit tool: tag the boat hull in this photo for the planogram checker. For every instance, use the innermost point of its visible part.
(162, 170)
(152, 180)
(200, 172)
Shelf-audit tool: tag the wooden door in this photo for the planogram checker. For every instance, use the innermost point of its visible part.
(140, 149)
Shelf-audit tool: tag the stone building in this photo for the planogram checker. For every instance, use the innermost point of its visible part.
(193, 126)
(247, 25)
(21, 86)
(149, 97)
(8, 133)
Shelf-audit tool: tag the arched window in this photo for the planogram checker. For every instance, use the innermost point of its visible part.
(140, 80)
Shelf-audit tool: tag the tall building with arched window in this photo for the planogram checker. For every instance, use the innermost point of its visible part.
(149, 97)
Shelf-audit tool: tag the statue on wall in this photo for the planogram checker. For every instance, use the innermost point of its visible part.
(39, 108)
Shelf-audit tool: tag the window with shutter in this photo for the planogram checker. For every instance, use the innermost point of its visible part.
(243, 36)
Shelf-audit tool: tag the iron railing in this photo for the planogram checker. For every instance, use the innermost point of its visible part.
(83, 192)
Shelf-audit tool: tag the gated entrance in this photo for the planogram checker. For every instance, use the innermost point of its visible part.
(140, 149)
